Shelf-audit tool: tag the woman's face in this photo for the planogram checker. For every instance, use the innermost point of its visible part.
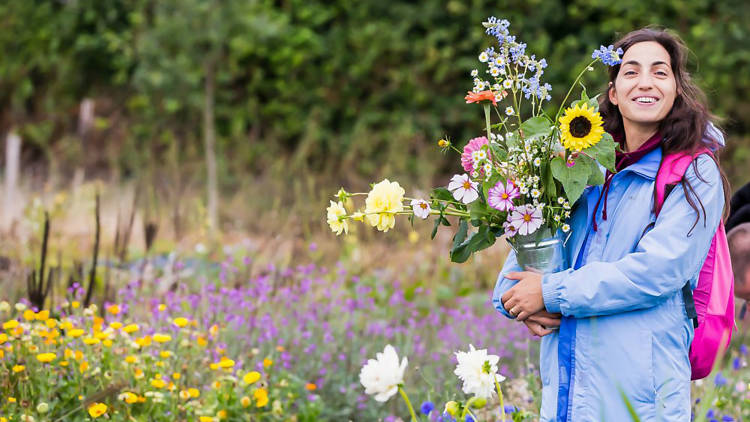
(645, 87)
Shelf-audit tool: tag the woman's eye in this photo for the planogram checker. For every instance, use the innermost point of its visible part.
(629, 72)
(661, 73)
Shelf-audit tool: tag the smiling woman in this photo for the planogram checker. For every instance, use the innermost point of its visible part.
(624, 330)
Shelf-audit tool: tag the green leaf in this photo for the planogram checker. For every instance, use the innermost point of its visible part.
(549, 182)
(573, 178)
(481, 239)
(435, 226)
(460, 235)
(536, 127)
(511, 139)
(596, 177)
(603, 151)
(442, 194)
(478, 209)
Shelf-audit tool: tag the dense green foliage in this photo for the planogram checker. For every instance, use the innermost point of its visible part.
(362, 87)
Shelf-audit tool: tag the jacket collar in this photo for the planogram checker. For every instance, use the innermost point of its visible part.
(647, 166)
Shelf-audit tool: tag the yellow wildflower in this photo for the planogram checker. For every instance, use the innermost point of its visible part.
(11, 399)
(201, 341)
(261, 397)
(9, 325)
(251, 377)
(101, 335)
(131, 359)
(75, 304)
(51, 323)
(310, 386)
(143, 341)
(29, 315)
(216, 384)
(162, 307)
(206, 419)
(42, 315)
(162, 338)
(184, 394)
(97, 409)
(158, 383)
(76, 332)
(214, 366)
(194, 392)
(129, 397)
(267, 362)
(46, 357)
(3, 338)
(180, 322)
(213, 330)
(115, 325)
(130, 328)
(78, 355)
(176, 375)
(165, 354)
(18, 368)
(107, 343)
(63, 363)
(67, 353)
(221, 414)
(138, 374)
(84, 366)
(245, 401)
(113, 309)
(33, 348)
(91, 340)
(280, 348)
(226, 363)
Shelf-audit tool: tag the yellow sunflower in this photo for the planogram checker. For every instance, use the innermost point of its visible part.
(581, 128)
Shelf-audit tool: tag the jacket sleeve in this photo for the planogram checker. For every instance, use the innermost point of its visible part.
(664, 259)
(503, 284)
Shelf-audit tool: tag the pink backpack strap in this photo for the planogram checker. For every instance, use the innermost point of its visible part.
(671, 171)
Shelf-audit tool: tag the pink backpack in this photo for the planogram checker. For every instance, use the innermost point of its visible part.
(711, 304)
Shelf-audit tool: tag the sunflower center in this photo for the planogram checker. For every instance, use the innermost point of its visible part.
(580, 126)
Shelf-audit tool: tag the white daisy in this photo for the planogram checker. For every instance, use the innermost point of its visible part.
(509, 110)
(507, 84)
(381, 376)
(537, 162)
(421, 208)
(566, 228)
(483, 57)
(474, 73)
(495, 72)
(535, 193)
(463, 188)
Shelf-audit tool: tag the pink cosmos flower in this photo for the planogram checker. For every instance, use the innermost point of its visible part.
(473, 145)
(463, 188)
(501, 196)
(510, 229)
(526, 218)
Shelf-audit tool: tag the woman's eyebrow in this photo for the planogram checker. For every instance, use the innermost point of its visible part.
(636, 63)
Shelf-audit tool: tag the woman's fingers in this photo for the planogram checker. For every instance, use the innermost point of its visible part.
(546, 314)
(544, 320)
(536, 329)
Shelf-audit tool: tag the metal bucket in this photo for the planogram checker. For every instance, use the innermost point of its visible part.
(545, 256)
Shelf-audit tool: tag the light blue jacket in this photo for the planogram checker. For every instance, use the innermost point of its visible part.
(625, 329)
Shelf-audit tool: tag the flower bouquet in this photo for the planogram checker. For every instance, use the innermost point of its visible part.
(521, 176)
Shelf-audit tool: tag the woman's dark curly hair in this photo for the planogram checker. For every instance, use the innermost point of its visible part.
(686, 126)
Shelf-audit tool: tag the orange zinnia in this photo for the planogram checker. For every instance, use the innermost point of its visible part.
(475, 97)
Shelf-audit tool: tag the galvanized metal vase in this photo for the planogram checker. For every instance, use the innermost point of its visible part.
(546, 255)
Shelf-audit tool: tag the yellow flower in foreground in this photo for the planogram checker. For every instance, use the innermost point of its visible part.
(76, 332)
(158, 383)
(261, 397)
(138, 374)
(3, 338)
(382, 203)
(162, 307)
(18, 368)
(11, 399)
(162, 338)
(97, 409)
(194, 392)
(130, 328)
(46, 357)
(206, 419)
(267, 362)
(131, 359)
(51, 323)
(9, 325)
(202, 342)
(84, 366)
(115, 325)
(129, 397)
(165, 354)
(245, 401)
(251, 377)
(91, 340)
(113, 309)
(335, 216)
(180, 322)
(75, 304)
(42, 315)
(580, 128)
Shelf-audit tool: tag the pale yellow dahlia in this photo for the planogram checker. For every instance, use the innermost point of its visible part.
(382, 203)
(335, 213)
(581, 128)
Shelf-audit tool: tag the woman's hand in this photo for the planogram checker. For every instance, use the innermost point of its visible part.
(542, 323)
(525, 298)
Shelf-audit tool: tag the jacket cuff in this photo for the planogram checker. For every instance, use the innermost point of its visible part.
(551, 286)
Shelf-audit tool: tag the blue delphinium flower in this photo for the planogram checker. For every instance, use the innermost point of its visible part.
(427, 407)
(608, 55)
(469, 419)
(509, 408)
(743, 349)
(727, 418)
(720, 380)
(737, 363)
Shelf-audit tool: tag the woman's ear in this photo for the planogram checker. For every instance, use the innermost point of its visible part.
(611, 93)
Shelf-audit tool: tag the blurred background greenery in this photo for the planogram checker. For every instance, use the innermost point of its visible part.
(256, 106)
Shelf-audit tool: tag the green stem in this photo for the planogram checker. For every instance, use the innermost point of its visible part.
(562, 105)
(466, 408)
(500, 396)
(487, 119)
(408, 404)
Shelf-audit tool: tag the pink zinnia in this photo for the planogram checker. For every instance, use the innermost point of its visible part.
(501, 196)
(473, 145)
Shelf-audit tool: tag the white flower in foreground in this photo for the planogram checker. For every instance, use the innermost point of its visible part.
(478, 371)
(463, 188)
(382, 376)
(334, 212)
(421, 208)
(509, 111)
